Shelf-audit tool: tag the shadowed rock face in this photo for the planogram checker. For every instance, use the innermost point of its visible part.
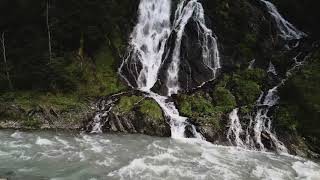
(192, 70)
(171, 56)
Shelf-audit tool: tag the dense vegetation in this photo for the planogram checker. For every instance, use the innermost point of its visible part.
(84, 35)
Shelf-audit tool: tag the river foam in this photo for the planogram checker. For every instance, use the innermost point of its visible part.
(48, 155)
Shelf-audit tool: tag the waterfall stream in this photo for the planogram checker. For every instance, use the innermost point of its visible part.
(147, 43)
(147, 47)
(210, 54)
(286, 30)
(261, 122)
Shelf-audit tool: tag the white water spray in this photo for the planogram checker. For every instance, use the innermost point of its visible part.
(286, 30)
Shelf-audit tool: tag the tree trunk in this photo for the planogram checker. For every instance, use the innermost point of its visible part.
(5, 61)
(81, 50)
(49, 33)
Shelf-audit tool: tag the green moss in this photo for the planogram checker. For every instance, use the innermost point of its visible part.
(194, 105)
(151, 109)
(127, 103)
(30, 100)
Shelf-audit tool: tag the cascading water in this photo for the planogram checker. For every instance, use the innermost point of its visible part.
(263, 121)
(286, 30)
(210, 54)
(272, 69)
(235, 129)
(260, 122)
(147, 44)
(147, 47)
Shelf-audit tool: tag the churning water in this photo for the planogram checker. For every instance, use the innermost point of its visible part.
(49, 155)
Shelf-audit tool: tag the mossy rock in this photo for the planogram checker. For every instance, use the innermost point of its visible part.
(200, 109)
(128, 103)
(150, 108)
(147, 108)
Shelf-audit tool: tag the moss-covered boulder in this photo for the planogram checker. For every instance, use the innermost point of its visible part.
(134, 113)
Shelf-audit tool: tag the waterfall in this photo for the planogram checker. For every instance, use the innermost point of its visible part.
(210, 54)
(147, 46)
(263, 121)
(286, 30)
(177, 123)
(235, 129)
(260, 121)
(272, 69)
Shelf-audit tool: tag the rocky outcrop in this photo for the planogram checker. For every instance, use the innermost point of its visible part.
(129, 112)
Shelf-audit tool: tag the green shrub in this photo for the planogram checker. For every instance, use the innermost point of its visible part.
(245, 91)
(224, 99)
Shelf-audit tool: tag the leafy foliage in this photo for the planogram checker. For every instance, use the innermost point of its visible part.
(302, 111)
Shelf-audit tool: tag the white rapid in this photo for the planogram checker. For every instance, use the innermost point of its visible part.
(147, 47)
(33, 155)
(286, 30)
(210, 53)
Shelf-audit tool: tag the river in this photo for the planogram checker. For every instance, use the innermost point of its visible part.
(64, 155)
